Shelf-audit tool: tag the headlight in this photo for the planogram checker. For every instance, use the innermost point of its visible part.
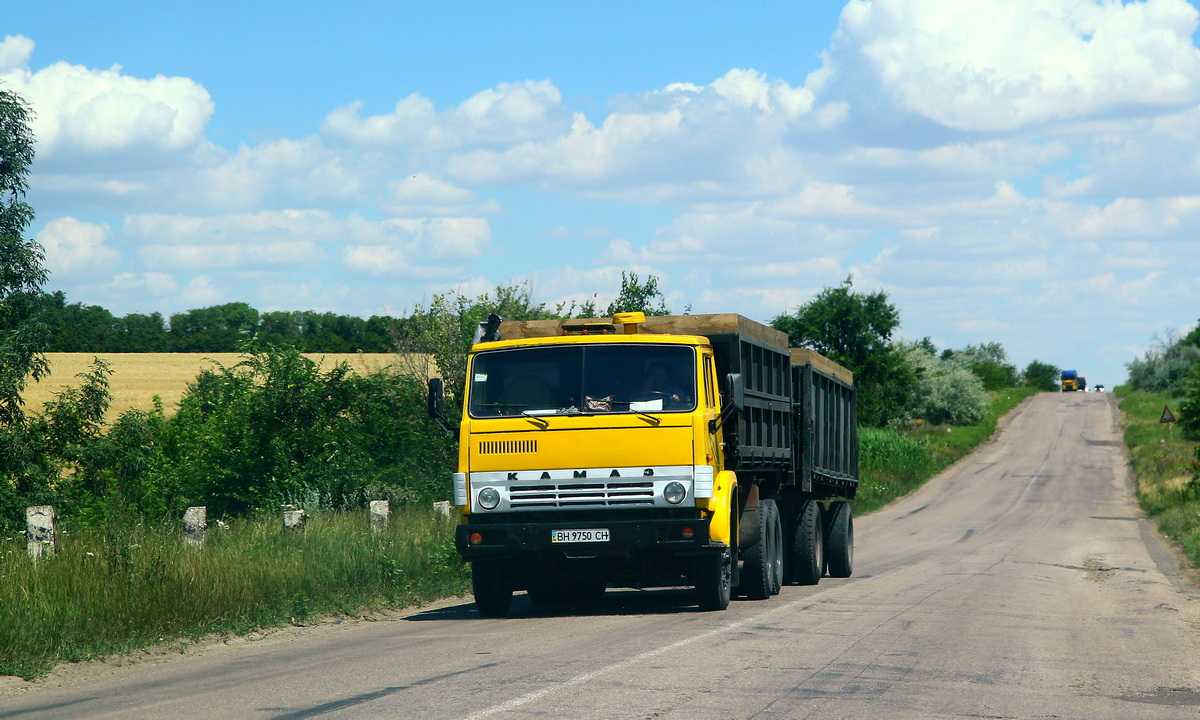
(674, 493)
(489, 498)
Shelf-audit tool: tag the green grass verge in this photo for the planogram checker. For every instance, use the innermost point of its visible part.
(1165, 466)
(111, 591)
(893, 463)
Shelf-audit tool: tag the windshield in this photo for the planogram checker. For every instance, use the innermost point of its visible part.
(579, 379)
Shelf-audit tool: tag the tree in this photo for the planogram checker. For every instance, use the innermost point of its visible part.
(855, 330)
(221, 328)
(1042, 376)
(22, 336)
(990, 362)
(637, 296)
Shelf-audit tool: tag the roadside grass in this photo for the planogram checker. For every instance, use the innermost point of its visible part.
(114, 590)
(893, 463)
(1165, 467)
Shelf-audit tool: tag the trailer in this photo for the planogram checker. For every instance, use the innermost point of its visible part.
(640, 451)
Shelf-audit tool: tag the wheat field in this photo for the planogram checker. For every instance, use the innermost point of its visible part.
(138, 377)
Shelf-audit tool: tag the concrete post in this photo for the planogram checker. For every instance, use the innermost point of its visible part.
(294, 520)
(195, 524)
(380, 510)
(443, 507)
(41, 528)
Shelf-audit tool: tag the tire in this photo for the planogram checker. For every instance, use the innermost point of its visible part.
(713, 575)
(759, 566)
(808, 544)
(775, 530)
(492, 588)
(839, 540)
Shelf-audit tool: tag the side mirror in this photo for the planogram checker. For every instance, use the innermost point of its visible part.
(437, 398)
(736, 388)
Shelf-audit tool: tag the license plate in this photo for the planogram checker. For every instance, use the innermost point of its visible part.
(579, 536)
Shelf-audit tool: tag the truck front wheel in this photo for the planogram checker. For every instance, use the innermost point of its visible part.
(714, 580)
(492, 588)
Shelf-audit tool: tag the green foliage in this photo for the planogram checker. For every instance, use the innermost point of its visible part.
(118, 586)
(75, 327)
(213, 329)
(989, 361)
(48, 447)
(1043, 376)
(949, 391)
(855, 330)
(1165, 365)
(638, 296)
(275, 428)
(22, 336)
(1189, 407)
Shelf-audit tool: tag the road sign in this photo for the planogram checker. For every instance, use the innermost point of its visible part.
(1167, 417)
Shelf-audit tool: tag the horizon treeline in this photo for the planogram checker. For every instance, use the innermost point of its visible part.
(76, 327)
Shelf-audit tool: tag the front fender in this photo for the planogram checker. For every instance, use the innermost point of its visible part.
(720, 507)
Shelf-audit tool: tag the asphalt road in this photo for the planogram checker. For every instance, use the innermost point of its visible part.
(1021, 583)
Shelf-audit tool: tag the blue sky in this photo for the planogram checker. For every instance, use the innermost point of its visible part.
(1023, 173)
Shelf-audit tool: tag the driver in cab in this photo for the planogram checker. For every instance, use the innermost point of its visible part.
(661, 383)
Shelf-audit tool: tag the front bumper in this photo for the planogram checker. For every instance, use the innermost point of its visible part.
(659, 535)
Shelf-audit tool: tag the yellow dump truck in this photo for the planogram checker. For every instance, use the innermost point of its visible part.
(694, 450)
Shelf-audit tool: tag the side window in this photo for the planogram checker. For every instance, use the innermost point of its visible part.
(709, 396)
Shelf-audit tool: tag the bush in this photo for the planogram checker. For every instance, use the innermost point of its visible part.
(1165, 366)
(276, 429)
(949, 392)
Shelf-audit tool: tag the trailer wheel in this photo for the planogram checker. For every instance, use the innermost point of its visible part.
(713, 575)
(839, 540)
(492, 588)
(762, 571)
(808, 544)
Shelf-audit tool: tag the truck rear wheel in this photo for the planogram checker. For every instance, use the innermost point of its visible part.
(492, 588)
(713, 575)
(775, 530)
(808, 544)
(762, 571)
(839, 540)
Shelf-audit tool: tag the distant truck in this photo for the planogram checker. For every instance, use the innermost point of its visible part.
(1070, 381)
(648, 452)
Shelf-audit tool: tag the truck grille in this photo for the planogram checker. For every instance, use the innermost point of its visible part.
(507, 447)
(577, 494)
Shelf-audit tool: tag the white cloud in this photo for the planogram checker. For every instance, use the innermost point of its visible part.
(508, 113)
(676, 141)
(76, 248)
(85, 111)
(995, 65)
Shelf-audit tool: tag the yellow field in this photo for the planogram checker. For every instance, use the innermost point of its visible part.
(138, 377)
